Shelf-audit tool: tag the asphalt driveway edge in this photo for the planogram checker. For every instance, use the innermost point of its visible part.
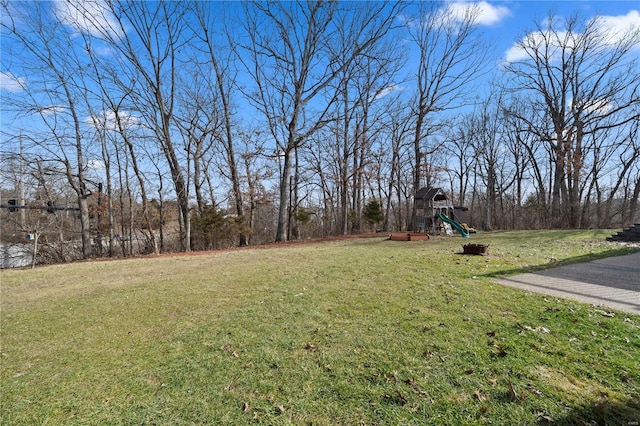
(604, 291)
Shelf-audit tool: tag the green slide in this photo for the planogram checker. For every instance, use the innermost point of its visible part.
(455, 224)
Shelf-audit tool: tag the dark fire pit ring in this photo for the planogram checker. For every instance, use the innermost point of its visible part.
(478, 249)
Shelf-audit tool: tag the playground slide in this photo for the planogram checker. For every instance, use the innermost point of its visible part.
(455, 224)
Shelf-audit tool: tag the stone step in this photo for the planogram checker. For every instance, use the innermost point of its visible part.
(629, 234)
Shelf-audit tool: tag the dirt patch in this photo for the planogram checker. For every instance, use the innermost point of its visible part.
(562, 381)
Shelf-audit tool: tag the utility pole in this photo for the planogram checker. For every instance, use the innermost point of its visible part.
(21, 201)
(99, 234)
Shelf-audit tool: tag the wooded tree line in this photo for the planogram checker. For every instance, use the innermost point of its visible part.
(187, 125)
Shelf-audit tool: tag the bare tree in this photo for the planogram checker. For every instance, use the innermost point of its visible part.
(116, 122)
(148, 39)
(460, 148)
(293, 62)
(521, 163)
(255, 172)
(400, 129)
(197, 116)
(486, 134)
(218, 53)
(612, 164)
(360, 107)
(451, 57)
(49, 54)
(579, 80)
(538, 158)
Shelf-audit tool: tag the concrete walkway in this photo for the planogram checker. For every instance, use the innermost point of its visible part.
(613, 282)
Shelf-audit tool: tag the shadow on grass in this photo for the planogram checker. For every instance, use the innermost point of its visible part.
(601, 412)
(622, 251)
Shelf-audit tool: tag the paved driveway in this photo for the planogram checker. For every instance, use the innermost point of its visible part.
(613, 282)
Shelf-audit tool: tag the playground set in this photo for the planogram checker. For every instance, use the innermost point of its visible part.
(435, 215)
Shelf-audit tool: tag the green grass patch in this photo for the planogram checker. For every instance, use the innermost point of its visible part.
(366, 331)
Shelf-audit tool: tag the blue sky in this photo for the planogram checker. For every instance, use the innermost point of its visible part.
(504, 22)
(501, 22)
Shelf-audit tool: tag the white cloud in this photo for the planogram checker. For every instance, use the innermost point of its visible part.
(515, 53)
(50, 110)
(96, 165)
(457, 11)
(485, 13)
(107, 120)
(596, 106)
(388, 90)
(11, 83)
(613, 28)
(534, 41)
(87, 16)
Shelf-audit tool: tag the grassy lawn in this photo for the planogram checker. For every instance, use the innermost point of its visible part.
(365, 331)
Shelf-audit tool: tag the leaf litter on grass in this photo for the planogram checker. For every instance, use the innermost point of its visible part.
(321, 340)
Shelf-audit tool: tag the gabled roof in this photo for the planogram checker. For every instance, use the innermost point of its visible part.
(431, 193)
